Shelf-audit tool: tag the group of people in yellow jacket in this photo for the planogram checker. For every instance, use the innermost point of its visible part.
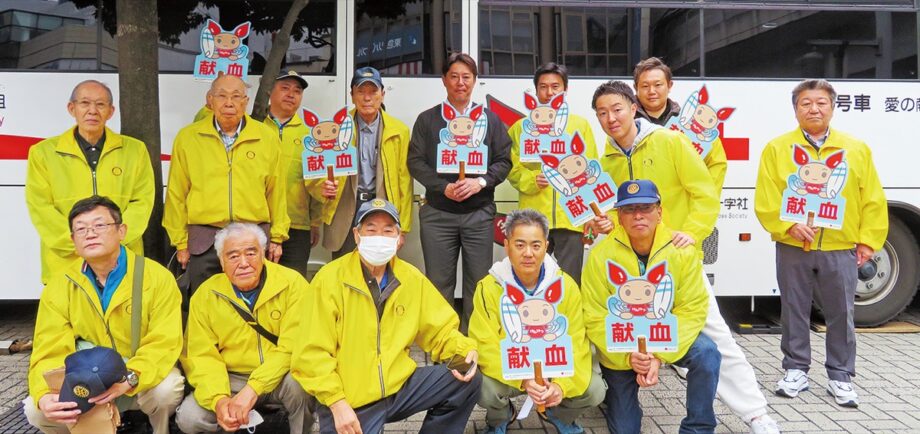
(257, 331)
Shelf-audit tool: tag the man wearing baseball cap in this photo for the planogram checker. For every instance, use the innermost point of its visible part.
(368, 307)
(383, 143)
(639, 248)
(304, 210)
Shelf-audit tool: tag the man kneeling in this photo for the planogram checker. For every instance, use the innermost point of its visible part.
(241, 328)
(638, 244)
(530, 269)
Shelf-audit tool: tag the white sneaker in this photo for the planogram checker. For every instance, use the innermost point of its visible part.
(764, 425)
(795, 381)
(843, 392)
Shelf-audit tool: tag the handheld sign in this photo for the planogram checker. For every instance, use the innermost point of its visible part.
(538, 377)
(463, 140)
(329, 146)
(806, 246)
(580, 183)
(815, 190)
(640, 309)
(535, 331)
(699, 121)
(222, 51)
(543, 130)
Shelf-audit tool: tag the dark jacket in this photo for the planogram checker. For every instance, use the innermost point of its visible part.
(672, 110)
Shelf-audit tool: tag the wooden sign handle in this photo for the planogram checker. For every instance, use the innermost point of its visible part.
(538, 377)
(330, 174)
(596, 209)
(462, 171)
(642, 348)
(806, 246)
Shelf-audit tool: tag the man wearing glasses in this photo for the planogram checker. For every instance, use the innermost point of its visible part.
(225, 168)
(94, 302)
(89, 159)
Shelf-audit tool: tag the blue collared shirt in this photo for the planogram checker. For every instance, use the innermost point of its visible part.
(368, 141)
(112, 281)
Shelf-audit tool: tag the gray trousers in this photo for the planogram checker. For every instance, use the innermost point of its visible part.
(832, 276)
(569, 251)
(448, 401)
(192, 418)
(443, 236)
(495, 398)
(295, 251)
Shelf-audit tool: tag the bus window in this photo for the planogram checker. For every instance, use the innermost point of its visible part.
(406, 38)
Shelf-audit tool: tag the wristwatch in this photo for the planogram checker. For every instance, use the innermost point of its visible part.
(482, 182)
(132, 379)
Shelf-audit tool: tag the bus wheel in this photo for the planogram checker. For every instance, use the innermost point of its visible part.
(882, 295)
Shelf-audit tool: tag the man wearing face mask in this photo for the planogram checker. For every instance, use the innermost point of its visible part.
(368, 379)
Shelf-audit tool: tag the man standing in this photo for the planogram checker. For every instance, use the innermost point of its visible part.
(226, 168)
(459, 213)
(738, 386)
(641, 243)
(807, 164)
(368, 307)
(531, 269)
(383, 145)
(87, 160)
(565, 239)
(241, 330)
(113, 298)
(303, 210)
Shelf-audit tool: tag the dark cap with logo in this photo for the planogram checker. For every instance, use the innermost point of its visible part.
(293, 75)
(637, 191)
(376, 205)
(367, 74)
(89, 373)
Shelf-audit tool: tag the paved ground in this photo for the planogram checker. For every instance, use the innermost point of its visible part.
(889, 384)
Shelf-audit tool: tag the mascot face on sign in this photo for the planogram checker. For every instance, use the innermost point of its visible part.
(461, 127)
(536, 313)
(815, 174)
(705, 118)
(326, 133)
(543, 116)
(638, 294)
(227, 43)
(573, 167)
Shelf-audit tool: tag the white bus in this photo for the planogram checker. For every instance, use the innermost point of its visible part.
(753, 56)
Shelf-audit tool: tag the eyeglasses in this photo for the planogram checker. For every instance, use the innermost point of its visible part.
(235, 98)
(98, 229)
(85, 104)
(644, 208)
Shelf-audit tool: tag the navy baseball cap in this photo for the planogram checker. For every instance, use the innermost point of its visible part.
(636, 192)
(367, 74)
(89, 373)
(294, 76)
(374, 206)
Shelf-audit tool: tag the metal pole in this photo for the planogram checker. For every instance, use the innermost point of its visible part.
(702, 40)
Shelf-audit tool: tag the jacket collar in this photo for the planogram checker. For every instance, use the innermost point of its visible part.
(645, 130)
(269, 291)
(67, 143)
(663, 235)
(829, 142)
(385, 119)
(352, 276)
(250, 130)
(502, 272)
(122, 293)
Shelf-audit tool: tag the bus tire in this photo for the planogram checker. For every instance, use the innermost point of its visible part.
(891, 290)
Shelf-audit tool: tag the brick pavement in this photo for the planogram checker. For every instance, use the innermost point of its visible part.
(889, 384)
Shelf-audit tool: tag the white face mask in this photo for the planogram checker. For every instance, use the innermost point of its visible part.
(377, 250)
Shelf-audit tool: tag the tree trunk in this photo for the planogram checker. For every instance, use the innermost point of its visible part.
(139, 93)
(280, 46)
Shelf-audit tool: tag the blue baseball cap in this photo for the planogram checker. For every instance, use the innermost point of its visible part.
(367, 74)
(89, 373)
(636, 192)
(374, 206)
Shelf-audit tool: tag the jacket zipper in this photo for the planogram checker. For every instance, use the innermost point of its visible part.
(255, 317)
(383, 389)
(820, 238)
(101, 316)
(230, 181)
(652, 256)
(95, 192)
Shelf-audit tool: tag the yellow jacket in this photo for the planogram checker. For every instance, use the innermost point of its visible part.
(688, 194)
(211, 186)
(70, 309)
(58, 176)
(303, 210)
(486, 327)
(394, 150)
(866, 214)
(220, 341)
(691, 300)
(717, 164)
(348, 355)
(523, 176)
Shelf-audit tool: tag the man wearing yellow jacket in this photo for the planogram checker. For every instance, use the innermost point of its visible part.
(565, 241)
(530, 268)
(368, 308)
(383, 145)
(738, 386)
(87, 160)
(806, 164)
(303, 210)
(92, 303)
(640, 243)
(226, 168)
(241, 330)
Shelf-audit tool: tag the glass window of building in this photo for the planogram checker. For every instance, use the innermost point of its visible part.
(407, 38)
